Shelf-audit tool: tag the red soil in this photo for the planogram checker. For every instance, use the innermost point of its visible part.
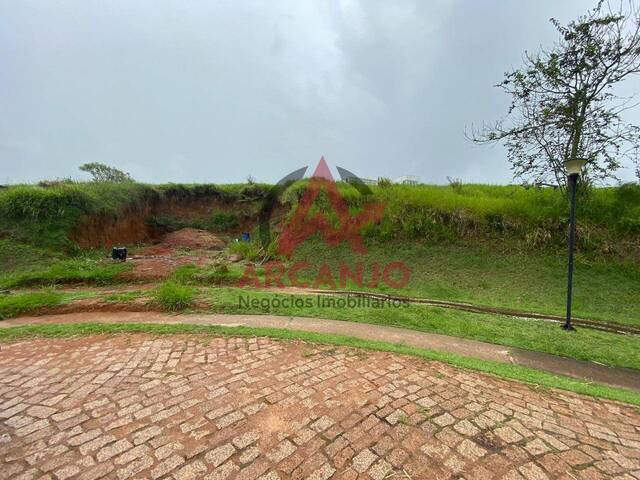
(194, 239)
(157, 262)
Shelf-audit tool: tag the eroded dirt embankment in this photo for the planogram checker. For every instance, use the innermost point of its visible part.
(131, 224)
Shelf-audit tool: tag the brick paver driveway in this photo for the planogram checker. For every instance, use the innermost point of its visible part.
(206, 407)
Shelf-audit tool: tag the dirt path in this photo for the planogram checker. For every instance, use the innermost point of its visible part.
(618, 377)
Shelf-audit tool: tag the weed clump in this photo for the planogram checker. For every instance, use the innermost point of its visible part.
(191, 274)
(173, 296)
(245, 250)
(224, 221)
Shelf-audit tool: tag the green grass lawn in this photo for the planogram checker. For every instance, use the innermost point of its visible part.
(478, 274)
(23, 303)
(496, 275)
(584, 344)
(14, 305)
(92, 267)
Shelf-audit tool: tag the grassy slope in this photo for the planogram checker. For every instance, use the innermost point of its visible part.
(24, 265)
(442, 212)
(14, 305)
(472, 273)
(45, 215)
(514, 372)
(504, 246)
(476, 273)
(23, 303)
(585, 344)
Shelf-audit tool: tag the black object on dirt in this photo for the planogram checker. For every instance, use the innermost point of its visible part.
(119, 253)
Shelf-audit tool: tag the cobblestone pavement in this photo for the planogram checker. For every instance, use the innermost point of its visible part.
(222, 408)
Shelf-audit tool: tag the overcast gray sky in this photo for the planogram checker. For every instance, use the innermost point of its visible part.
(214, 91)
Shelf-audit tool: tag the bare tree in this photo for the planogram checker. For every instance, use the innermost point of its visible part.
(562, 101)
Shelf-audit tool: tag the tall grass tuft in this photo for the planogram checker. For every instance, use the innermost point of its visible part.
(173, 296)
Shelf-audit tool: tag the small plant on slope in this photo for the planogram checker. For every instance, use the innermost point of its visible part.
(173, 296)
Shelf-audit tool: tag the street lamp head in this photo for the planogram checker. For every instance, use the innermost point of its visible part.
(575, 166)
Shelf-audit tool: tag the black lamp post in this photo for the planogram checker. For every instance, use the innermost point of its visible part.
(574, 168)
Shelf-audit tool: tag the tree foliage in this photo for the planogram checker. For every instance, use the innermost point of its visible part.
(563, 103)
(104, 173)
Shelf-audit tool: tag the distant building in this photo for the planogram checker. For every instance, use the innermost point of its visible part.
(408, 180)
(404, 180)
(366, 181)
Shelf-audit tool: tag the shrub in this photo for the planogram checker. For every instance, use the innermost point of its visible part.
(455, 184)
(174, 297)
(224, 221)
(246, 250)
(253, 191)
(169, 224)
